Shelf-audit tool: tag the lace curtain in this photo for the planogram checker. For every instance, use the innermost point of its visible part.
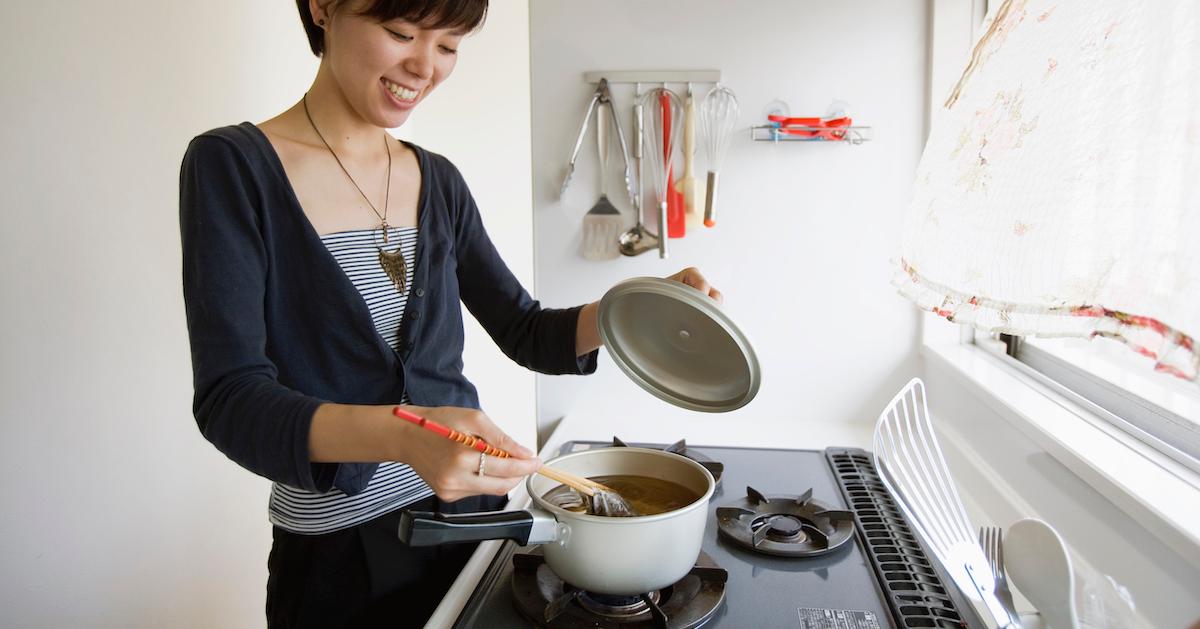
(1059, 191)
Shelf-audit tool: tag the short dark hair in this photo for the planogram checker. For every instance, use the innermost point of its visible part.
(465, 15)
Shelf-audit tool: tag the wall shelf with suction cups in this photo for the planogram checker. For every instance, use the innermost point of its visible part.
(775, 133)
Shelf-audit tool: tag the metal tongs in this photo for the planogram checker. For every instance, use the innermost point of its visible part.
(601, 95)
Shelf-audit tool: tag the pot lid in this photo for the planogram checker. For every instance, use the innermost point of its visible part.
(678, 344)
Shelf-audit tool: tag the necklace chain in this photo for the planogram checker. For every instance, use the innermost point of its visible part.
(387, 190)
(392, 262)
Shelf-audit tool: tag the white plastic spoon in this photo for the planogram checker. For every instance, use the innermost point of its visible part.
(1039, 565)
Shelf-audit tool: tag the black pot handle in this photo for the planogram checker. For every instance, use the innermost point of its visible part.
(426, 528)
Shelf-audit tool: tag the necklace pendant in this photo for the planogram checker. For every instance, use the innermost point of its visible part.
(384, 227)
(394, 266)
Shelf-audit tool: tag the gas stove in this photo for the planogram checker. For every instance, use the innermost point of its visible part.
(796, 538)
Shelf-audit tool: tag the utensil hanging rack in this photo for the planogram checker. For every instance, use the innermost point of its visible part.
(773, 133)
(654, 77)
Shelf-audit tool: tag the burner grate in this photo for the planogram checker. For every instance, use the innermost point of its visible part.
(911, 584)
(680, 447)
(543, 597)
(788, 526)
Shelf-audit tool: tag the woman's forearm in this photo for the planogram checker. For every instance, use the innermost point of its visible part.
(348, 432)
(587, 332)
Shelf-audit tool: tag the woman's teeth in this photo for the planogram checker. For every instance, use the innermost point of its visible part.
(400, 92)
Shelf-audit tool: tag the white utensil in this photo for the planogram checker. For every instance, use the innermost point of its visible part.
(1040, 567)
(909, 461)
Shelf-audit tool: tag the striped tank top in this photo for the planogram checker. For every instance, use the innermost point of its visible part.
(394, 484)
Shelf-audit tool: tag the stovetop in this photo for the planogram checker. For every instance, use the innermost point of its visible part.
(836, 589)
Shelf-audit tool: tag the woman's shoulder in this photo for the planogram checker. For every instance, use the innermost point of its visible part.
(244, 136)
(439, 166)
(238, 146)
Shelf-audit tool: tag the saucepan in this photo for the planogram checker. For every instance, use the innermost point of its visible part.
(606, 555)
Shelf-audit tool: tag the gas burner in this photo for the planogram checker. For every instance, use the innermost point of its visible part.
(546, 599)
(617, 606)
(785, 525)
(680, 447)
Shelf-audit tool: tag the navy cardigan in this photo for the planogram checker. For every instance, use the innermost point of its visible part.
(277, 328)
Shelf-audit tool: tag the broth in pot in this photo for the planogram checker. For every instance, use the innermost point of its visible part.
(646, 495)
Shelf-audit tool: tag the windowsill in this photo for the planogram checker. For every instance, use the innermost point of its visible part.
(1154, 490)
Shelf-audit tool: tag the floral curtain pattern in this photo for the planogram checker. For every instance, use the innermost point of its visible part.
(1059, 190)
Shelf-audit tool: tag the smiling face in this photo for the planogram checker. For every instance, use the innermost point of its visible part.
(384, 69)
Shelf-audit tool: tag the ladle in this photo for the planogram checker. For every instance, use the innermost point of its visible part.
(636, 240)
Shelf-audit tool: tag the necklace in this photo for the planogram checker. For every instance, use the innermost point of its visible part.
(392, 262)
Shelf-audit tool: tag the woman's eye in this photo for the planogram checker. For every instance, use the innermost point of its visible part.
(450, 51)
(399, 36)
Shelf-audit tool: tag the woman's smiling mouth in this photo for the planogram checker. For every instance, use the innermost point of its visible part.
(400, 92)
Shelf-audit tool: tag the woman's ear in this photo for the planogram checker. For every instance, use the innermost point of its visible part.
(321, 11)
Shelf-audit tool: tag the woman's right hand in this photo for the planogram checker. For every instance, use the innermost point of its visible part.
(451, 468)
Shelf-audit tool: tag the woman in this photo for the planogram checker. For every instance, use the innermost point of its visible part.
(324, 262)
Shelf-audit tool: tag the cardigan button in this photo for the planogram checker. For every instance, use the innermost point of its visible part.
(409, 344)
(416, 314)
(420, 292)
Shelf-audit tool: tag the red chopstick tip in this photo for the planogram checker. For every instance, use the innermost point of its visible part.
(710, 223)
(406, 415)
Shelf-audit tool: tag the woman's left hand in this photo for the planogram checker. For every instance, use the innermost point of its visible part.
(692, 277)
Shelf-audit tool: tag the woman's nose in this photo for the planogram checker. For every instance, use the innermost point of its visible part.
(420, 62)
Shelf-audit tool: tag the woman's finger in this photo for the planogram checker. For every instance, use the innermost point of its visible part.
(491, 485)
(510, 468)
(492, 434)
(694, 278)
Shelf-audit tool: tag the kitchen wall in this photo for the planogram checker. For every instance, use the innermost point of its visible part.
(117, 512)
(805, 231)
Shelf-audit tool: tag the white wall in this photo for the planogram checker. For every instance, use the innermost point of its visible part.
(117, 512)
(806, 230)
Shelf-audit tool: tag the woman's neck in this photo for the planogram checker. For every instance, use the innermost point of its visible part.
(338, 123)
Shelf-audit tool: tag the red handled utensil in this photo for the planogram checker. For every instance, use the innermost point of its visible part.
(470, 441)
(676, 219)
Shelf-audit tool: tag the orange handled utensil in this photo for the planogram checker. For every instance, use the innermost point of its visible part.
(450, 433)
(610, 502)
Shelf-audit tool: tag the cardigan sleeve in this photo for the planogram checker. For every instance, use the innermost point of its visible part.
(541, 339)
(239, 405)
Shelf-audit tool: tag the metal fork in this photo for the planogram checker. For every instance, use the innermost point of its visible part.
(991, 539)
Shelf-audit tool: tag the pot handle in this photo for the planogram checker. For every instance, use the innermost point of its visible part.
(426, 528)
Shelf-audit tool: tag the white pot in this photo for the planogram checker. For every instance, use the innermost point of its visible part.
(619, 556)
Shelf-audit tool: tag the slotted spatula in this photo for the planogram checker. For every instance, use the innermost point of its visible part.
(602, 225)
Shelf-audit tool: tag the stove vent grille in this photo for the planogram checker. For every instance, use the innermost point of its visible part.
(911, 583)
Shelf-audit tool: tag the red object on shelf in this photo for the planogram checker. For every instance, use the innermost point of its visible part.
(829, 129)
(676, 219)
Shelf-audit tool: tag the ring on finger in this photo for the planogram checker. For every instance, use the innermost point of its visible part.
(482, 460)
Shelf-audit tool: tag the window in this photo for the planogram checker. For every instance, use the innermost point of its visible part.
(1032, 215)
(1159, 409)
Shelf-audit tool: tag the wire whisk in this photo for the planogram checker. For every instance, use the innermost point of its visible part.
(662, 110)
(718, 115)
